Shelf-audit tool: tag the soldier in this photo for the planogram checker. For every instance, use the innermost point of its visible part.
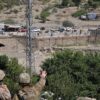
(4, 92)
(29, 92)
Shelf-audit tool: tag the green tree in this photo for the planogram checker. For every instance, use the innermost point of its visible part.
(72, 74)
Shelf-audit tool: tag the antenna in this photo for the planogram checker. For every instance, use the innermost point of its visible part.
(28, 36)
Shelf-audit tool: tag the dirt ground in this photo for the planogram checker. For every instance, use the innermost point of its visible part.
(58, 17)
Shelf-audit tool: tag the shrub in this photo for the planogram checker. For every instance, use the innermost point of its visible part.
(12, 69)
(44, 14)
(54, 10)
(42, 28)
(72, 74)
(68, 24)
(10, 3)
(77, 2)
(15, 11)
(37, 17)
(1, 6)
(3, 62)
(79, 13)
(94, 3)
(9, 21)
(65, 3)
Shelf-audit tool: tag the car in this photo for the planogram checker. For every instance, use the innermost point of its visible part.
(61, 29)
(34, 29)
(68, 28)
(22, 30)
(83, 17)
(1, 31)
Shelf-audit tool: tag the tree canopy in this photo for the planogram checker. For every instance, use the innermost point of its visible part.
(72, 74)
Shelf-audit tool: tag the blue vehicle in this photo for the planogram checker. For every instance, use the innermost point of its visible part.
(91, 16)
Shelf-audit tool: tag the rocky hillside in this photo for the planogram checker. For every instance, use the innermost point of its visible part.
(14, 10)
(45, 13)
(9, 3)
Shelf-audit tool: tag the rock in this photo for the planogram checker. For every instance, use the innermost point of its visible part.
(85, 98)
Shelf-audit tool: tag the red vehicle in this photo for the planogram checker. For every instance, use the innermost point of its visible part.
(22, 30)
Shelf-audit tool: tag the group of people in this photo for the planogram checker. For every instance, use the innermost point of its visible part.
(27, 91)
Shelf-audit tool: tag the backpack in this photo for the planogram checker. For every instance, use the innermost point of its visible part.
(26, 94)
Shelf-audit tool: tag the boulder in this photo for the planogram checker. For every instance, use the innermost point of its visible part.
(85, 98)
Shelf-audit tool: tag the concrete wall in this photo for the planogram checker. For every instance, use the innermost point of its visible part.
(16, 46)
(11, 44)
(13, 48)
(66, 41)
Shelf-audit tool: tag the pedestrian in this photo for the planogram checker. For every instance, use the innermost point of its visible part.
(4, 91)
(27, 91)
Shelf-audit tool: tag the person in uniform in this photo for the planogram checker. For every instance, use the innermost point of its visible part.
(4, 91)
(27, 91)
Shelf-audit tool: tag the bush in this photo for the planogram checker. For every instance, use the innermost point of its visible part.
(15, 11)
(94, 3)
(54, 10)
(9, 21)
(3, 62)
(37, 17)
(68, 24)
(12, 69)
(1, 6)
(10, 3)
(65, 3)
(72, 74)
(44, 14)
(79, 13)
(77, 2)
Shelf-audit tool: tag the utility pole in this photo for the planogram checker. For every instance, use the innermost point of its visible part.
(28, 36)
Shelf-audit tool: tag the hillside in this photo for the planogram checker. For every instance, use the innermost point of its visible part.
(9, 3)
(47, 11)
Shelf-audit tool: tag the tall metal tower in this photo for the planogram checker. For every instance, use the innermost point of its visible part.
(28, 35)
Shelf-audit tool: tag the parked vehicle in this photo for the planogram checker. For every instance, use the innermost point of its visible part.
(83, 17)
(22, 30)
(1, 31)
(35, 29)
(91, 16)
